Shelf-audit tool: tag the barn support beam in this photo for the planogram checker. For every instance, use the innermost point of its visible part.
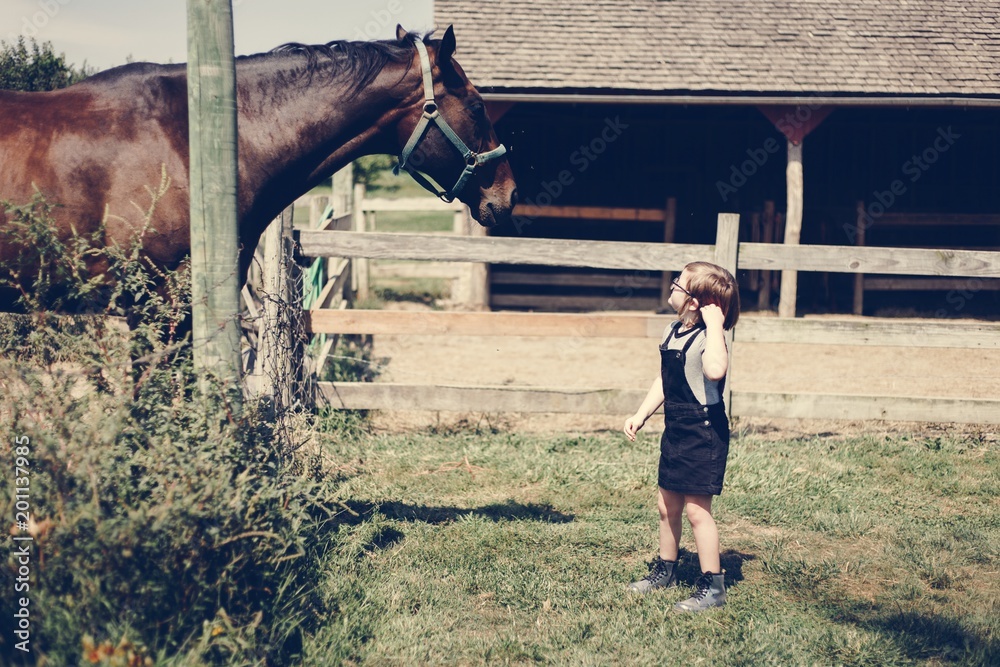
(795, 123)
(793, 227)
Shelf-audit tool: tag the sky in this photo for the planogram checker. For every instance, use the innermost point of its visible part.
(107, 33)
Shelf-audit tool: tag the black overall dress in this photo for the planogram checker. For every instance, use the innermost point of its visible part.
(695, 442)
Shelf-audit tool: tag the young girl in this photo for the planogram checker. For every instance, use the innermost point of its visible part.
(695, 442)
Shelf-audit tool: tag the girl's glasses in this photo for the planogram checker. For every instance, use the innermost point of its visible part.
(674, 284)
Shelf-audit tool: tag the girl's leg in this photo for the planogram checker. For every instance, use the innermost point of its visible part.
(671, 506)
(663, 570)
(706, 535)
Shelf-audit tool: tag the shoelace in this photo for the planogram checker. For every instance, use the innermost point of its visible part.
(657, 571)
(702, 587)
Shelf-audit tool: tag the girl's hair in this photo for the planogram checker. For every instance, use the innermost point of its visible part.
(710, 284)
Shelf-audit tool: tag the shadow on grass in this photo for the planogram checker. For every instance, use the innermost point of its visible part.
(732, 564)
(920, 635)
(386, 538)
(508, 511)
(923, 636)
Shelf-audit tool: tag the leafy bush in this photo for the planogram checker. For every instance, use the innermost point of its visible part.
(163, 525)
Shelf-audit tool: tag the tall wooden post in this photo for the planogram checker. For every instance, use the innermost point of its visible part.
(213, 180)
(360, 274)
(793, 227)
(727, 244)
(859, 278)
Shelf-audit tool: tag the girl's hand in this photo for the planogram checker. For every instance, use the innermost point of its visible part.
(632, 425)
(712, 316)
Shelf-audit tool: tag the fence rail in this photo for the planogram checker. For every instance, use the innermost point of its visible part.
(548, 252)
(827, 331)
(394, 396)
(649, 256)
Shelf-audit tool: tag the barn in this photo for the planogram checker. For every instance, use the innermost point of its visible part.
(842, 122)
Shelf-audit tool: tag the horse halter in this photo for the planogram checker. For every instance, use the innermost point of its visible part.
(430, 116)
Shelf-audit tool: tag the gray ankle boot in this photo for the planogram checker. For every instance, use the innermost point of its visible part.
(662, 574)
(709, 591)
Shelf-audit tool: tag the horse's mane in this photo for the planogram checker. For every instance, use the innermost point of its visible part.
(361, 61)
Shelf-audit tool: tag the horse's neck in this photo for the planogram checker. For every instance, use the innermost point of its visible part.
(293, 136)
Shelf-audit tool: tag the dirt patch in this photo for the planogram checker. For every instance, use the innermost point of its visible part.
(633, 363)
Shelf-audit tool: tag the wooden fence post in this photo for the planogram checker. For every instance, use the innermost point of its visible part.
(727, 246)
(215, 297)
(275, 338)
(342, 188)
(473, 281)
(359, 276)
(317, 207)
(669, 231)
(859, 278)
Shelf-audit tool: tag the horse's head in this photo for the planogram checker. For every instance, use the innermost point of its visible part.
(447, 135)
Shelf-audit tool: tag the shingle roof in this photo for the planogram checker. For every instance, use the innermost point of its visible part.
(910, 47)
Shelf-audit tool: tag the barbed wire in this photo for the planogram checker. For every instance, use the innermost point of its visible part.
(274, 341)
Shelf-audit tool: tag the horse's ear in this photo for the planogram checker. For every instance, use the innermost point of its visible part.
(447, 49)
(400, 33)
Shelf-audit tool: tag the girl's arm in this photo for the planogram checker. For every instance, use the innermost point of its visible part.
(653, 400)
(715, 358)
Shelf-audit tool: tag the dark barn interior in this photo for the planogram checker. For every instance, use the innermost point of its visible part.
(732, 158)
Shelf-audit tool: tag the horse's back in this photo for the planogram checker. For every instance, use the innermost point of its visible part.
(98, 147)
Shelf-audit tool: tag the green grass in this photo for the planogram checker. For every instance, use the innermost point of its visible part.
(413, 221)
(471, 547)
(397, 187)
(390, 186)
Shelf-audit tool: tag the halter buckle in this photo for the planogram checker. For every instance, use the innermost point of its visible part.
(432, 115)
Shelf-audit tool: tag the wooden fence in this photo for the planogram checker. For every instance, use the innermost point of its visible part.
(473, 281)
(913, 222)
(727, 252)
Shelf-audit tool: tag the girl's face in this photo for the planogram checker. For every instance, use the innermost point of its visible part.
(678, 292)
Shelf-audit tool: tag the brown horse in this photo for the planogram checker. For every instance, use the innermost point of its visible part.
(98, 148)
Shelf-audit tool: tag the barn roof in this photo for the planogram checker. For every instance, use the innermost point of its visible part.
(732, 47)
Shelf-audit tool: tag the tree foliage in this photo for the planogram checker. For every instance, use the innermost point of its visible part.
(35, 67)
(367, 169)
